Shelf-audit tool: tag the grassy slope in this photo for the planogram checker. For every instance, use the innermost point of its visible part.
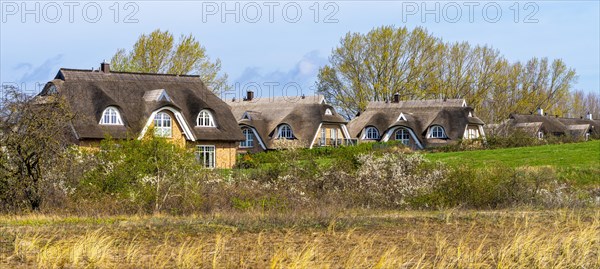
(576, 160)
(573, 155)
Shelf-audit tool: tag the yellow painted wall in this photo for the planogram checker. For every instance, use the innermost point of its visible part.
(328, 128)
(225, 152)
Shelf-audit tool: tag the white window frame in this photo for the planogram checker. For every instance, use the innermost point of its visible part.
(246, 116)
(163, 125)
(401, 117)
(205, 119)
(111, 116)
(369, 131)
(249, 138)
(206, 155)
(437, 131)
(540, 135)
(403, 135)
(328, 112)
(285, 131)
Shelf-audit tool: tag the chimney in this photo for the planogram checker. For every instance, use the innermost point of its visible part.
(396, 98)
(105, 67)
(540, 111)
(249, 95)
(589, 116)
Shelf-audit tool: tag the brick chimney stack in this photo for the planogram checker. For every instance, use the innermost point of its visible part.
(249, 95)
(105, 67)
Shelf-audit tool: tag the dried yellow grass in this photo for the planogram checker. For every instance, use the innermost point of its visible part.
(423, 240)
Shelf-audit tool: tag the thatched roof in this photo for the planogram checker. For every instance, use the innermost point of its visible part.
(90, 92)
(533, 123)
(303, 114)
(452, 115)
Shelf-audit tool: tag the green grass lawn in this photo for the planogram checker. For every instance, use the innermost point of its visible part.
(575, 160)
(574, 155)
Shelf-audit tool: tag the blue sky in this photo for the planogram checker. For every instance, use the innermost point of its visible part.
(289, 41)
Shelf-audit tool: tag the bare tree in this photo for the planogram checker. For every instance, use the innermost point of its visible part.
(33, 134)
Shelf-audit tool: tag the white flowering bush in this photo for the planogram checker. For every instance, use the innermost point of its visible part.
(391, 178)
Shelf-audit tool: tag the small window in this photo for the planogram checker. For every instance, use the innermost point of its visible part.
(162, 125)
(323, 140)
(206, 156)
(437, 132)
(111, 116)
(246, 116)
(328, 112)
(205, 119)
(587, 136)
(371, 133)
(52, 90)
(540, 135)
(285, 131)
(473, 133)
(249, 141)
(403, 136)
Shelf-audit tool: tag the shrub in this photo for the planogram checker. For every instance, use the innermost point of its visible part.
(499, 187)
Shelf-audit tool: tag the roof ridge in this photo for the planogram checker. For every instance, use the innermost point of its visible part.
(129, 73)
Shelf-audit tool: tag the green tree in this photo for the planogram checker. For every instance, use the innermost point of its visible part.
(416, 65)
(148, 173)
(158, 53)
(374, 66)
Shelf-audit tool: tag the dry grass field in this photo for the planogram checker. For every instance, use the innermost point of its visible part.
(358, 239)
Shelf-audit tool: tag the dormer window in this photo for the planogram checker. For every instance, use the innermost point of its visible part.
(437, 132)
(401, 117)
(403, 136)
(111, 116)
(205, 119)
(246, 116)
(285, 131)
(249, 141)
(162, 125)
(328, 112)
(51, 90)
(371, 133)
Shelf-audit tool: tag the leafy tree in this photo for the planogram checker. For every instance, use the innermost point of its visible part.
(158, 53)
(149, 172)
(34, 133)
(417, 65)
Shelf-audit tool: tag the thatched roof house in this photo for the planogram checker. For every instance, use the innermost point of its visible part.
(542, 125)
(419, 123)
(280, 122)
(126, 105)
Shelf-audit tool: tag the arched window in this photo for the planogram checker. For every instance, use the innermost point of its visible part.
(403, 136)
(285, 131)
(111, 116)
(540, 135)
(371, 133)
(249, 141)
(162, 125)
(205, 119)
(437, 132)
(328, 112)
